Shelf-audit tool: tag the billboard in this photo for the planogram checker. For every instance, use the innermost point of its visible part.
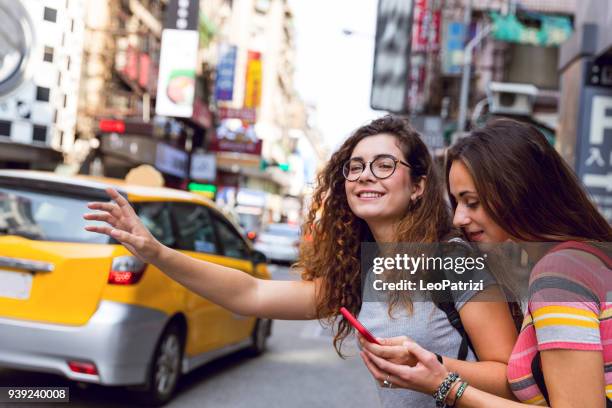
(226, 69)
(390, 76)
(178, 59)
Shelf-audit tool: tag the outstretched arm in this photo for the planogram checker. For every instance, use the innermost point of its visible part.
(233, 289)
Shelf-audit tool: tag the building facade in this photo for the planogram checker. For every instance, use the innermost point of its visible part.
(41, 51)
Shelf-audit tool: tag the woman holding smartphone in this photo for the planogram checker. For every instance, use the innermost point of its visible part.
(381, 186)
(507, 183)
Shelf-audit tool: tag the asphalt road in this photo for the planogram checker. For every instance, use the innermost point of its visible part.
(300, 369)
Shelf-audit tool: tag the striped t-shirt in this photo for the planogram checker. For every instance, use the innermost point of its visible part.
(570, 307)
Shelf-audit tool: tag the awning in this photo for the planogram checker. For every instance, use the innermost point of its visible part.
(44, 156)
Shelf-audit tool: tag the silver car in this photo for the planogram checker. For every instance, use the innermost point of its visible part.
(279, 242)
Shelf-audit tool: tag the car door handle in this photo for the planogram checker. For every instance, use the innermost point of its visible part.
(26, 264)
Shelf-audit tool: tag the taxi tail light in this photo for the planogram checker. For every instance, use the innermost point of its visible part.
(83, 367)
(126, 270)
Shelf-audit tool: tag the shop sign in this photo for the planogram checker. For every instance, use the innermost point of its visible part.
(390, 74)
(245, 114)
(553, 30)
(226, 69)
(452, 53)
(252, 94)
(594, 140)
(178, 59)
(236, 136)
(203, 166)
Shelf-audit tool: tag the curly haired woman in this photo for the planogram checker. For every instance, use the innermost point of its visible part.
(381, 185)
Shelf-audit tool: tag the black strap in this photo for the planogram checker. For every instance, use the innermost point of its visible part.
(455, 320)
(538, 375)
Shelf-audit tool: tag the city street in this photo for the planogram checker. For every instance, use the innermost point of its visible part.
(300, 369)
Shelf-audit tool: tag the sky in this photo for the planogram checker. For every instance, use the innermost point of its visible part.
(333, 69)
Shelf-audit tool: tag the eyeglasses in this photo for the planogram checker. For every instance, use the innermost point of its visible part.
(381, 167)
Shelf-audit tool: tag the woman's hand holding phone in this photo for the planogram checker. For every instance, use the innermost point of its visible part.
(391, 349)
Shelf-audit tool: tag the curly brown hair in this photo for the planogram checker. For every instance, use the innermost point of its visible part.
(332, 255)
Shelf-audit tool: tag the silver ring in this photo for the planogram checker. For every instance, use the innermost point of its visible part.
(388, 383)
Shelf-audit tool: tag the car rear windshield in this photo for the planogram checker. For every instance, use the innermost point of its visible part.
(283, 230)
(45, 216)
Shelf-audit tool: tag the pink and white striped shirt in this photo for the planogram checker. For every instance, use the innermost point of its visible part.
(570, 307)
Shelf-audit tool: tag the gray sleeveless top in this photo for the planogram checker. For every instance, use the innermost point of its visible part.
(427, 325)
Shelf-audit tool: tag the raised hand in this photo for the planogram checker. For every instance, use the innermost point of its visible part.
(124, 226)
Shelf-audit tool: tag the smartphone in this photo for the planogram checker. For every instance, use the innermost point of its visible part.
(357, 325)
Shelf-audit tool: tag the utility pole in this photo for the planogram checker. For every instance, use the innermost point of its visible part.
(467, 68)
(467, 65)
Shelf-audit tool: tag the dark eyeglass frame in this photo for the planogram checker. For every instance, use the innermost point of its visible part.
(369, 164)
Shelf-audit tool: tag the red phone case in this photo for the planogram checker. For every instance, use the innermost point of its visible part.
(357, 325)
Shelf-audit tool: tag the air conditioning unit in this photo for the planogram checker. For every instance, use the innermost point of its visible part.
(511, 98)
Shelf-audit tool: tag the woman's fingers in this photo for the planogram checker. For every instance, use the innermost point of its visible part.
(106, 217)
(386, 366)
(123, 204)
(100, 229)
(110, 208)
(376, 373)
(427, 358)
(381, 375)
(386, 351)
(394, 341)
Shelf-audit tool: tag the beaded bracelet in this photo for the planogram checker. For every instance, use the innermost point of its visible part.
(441, 393)
(460, 392)
(456, 384)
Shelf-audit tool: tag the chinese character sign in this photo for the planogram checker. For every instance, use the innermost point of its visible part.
(595, 147)
(226, 68)
(252, 94)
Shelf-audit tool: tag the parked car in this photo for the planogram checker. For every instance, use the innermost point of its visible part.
(279, 242)
(80, 305)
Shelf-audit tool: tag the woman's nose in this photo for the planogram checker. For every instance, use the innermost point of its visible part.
(366, 174)
(460, 219)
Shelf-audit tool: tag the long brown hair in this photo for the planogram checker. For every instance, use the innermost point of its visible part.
(525, 186)
(332, 254)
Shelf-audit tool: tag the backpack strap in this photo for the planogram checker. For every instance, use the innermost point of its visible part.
(455, 320)
(441, 300)
(538, 375)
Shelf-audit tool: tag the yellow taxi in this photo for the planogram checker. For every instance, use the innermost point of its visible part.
(80, 305)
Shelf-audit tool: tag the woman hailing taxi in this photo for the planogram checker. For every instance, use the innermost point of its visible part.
(507, 182)
(381, 185)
